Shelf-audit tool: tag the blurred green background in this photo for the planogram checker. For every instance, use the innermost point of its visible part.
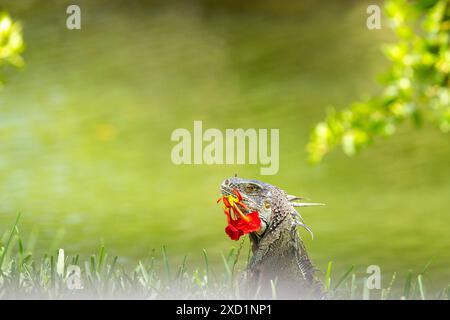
(85, 131)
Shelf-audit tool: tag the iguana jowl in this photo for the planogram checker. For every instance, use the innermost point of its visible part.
(279, 254)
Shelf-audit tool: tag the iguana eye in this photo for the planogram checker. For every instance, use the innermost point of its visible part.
(267, 204)
(251, 188)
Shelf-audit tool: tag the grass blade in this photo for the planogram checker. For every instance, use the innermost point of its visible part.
(366, 291)
(205, 257)
(101, 256)
(8, 242)
(236, 257)
(144, 273)
(273, 289)
(60, 263)
(112, 267)
(421, 287)
(385, 292)
(181, 269)
(353, 287)
(344, 276)
(407, 288)
(227, 267)
(166, 263)
(328, 276)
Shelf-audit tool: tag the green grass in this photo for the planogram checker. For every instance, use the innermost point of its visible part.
(24, 276)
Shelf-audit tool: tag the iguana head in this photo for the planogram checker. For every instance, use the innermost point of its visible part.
(256, 195)
(271, 203)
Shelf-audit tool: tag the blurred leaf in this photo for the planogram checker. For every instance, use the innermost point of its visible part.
(416, 87)
(11, 41)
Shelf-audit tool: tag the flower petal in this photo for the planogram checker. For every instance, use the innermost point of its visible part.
(238, 195)
(233, 232)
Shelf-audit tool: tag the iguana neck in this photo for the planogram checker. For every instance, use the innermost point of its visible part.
(280, 255)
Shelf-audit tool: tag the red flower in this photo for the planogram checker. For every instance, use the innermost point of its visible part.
(239, 223)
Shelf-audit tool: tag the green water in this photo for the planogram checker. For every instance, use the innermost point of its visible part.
(85, 131)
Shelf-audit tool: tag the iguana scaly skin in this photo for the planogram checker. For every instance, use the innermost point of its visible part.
(279, 257)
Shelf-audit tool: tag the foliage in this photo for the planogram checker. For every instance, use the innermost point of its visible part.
(416, 87)
(11, 41)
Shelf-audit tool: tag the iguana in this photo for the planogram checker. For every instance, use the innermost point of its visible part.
(279, 258)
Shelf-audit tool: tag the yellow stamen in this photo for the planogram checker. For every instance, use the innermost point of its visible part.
(234, 201)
